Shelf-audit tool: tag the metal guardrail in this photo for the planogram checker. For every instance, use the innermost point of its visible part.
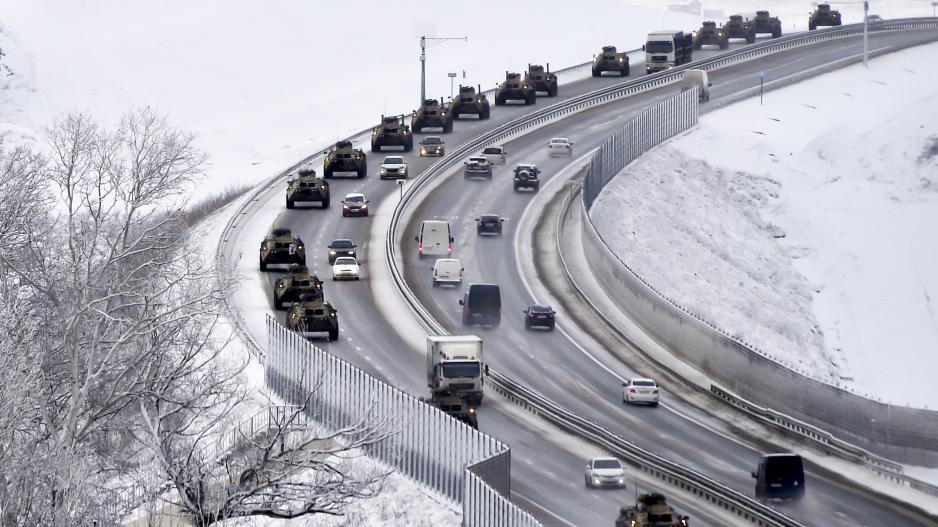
(686, 478)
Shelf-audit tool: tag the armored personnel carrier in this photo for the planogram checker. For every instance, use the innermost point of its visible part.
(307, 187)
(736, 27)
(764, 23)
(470, 101)
(281, 246)
(432, 114)
(392, 131)
(609, 59)
(650, 510)
(344, 157)
(313, 315)
(298, 282)
(823, 15)
(542, 80)
(709, 33)
(515, 88)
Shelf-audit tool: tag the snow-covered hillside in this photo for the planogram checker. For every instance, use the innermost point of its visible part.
(805, 226)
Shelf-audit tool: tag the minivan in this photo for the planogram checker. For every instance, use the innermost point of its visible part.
(780, 476)
(697, 78)
(482, 305)
(435, 239)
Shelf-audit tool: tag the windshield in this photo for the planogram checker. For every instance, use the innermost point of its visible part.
(659, 47)
(453, 370)
(493, 150)
(606, 463)
(433, 141)
(394, 160)
(345, 261)
(342, 244)
(540, 309)
(784, 468)
(643, 383)
(354, 199)
(480, 160)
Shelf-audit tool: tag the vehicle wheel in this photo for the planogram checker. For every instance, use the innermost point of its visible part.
(777, 33)
(499, 100)
(289, 204)
(654, 404)
(325, 203)
(725, 44)
(750, 38)
(278, 304)
(552, 92)
(587, 482)
(698, 45)
(811, 26)
(531, 98)
(416, 127)
(263, 264)
(344, 214)
(551, 327)
(327, 172)
(448, 127)
(375, 147)
(363, 171)
(435, 283)
(516, 188)
(597, 73)
(485, 112)
(537, 187)
(527, 324)
(334, 333)
(626, 71)
(837, 22)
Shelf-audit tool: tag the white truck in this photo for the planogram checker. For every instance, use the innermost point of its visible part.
(666, 49)
(454, 367)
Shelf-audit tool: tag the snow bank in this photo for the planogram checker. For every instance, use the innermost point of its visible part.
(805, 226)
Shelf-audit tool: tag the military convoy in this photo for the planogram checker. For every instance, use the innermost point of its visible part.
(710, 34)
(650, 510)
(431, 114)
(344, 157)
(292, 287)
(306, 187)
(823, 15)
(542, 80)
(281, 246)
(764, 23)
(609, 59)
(515, 88)
(392, 131)
(470, 101)
(312, 314)
(736, 27)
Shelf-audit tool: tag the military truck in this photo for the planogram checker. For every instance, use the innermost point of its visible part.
(312, 314)
(667, 49)
(764, 23)
(392, 131)
(609, 59)
(710, 34)
(298, 282)
(307, 187)
(542, 80)
(515, 88)
(454, 367)
(456, 407)
(470, 101)
(823, 15)
(281, 246)
(736, 27)
(432, 114)
(344, 157)
(650, 510)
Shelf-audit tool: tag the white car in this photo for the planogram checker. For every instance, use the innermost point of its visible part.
(394, 167)
(495, 154)
(447, 271)
(605, 472)
(345, 268)
(560, 146)
(640, 391)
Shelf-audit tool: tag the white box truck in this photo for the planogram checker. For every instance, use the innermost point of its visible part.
(454, 366)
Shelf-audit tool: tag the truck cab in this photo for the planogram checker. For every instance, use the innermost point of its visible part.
(666, 49)
(454, 367)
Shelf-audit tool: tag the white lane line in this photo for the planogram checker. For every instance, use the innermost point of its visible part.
(543, 509)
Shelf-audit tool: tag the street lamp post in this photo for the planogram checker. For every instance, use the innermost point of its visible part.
(423, 60)
(451, 77)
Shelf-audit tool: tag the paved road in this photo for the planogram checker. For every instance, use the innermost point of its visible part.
(546, 470)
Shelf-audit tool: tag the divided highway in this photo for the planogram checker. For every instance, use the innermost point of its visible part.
(547, 468)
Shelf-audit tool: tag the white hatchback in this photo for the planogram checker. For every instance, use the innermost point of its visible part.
(345, 268)
(447, 271)
(640, 391)
(605, 472)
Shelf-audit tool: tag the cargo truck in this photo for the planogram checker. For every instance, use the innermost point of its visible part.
(666, 49)
(454, 367)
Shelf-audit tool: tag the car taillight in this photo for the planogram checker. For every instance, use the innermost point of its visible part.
(532, 315)
(449, 248)
(420, 247)
(631, 390)
(656, 391)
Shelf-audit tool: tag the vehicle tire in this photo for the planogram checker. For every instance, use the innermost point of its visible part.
(725, 44)
(416, 127)
(777, 32)
(698, 45)
(627, 71)
(811, 26)
(597, 73)
(537, 187)
(837, 22)
(750, 38)
(363, 171)
(325, 203)
(587, 482)
(289, 204)
(551, 327)
(435, 283)
(278, 304)
(327, 172)
(654, 404)
(263, 264)
(499, 100)
(485, 112)
(344, 214)
(527, 324)
(448, 127)
(334, 333)
(531, 98)
(552, 91)
(375, 147)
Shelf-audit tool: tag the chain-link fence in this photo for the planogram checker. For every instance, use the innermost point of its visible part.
(426, 445)
(901, 433)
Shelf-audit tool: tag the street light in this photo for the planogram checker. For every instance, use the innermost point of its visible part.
(451, 77)
(423, 61)
(866, 25)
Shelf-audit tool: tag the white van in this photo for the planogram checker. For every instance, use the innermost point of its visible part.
(435, 239)
(697, 78)
(447, 271)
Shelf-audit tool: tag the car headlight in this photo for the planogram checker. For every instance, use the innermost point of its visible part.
(595, 481)
(364, 206)
(384, 170)
(621, 482)
(331, 252)
(299, 247)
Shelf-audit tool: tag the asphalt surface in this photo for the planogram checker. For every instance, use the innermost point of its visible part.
(547, 470)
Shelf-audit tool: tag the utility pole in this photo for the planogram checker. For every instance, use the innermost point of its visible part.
(451, 77)
(423, 60)
(866, 27)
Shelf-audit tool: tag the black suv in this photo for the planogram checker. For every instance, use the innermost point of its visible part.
(538, 316)
(489, 224)
(482, 305)
(526, 176)
(341, 247)
(780, 476)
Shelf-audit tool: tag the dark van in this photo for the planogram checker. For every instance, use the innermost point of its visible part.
(482, 305)
(780, 476)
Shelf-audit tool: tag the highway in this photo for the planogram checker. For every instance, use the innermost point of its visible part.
(547, 467)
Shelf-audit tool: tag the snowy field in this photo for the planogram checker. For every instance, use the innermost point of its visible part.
(805, 226)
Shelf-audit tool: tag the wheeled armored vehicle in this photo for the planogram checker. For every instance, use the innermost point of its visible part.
(292, 287)
(392, 131)
(736, 27)
(306, 187)
(432, 114)
(609, 59)
(823, 15)
(710, 34)
(281, 246)
(542, 79)
(765, 23)
(515, 88)
(312, 314)
(344, 157)
(470, 101)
